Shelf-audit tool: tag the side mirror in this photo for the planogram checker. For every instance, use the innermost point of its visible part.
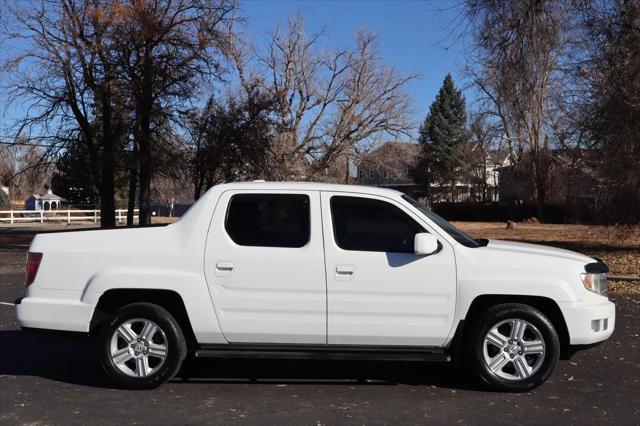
(425, 243)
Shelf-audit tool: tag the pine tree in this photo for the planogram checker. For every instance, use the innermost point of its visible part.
(441, 137)
(5, 203)
(73, 179)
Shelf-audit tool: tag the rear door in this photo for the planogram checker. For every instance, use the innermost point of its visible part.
(379, 291)
(264, 264)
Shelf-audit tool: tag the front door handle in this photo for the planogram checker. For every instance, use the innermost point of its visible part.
(224, 268)
(344, 272)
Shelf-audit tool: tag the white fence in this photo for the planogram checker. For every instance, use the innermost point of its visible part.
(16, 216)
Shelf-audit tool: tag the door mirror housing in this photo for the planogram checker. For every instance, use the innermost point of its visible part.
(425, 244)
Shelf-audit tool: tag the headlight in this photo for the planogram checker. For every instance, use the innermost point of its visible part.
(596, 283)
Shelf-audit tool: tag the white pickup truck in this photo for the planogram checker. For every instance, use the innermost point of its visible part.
(306, 270)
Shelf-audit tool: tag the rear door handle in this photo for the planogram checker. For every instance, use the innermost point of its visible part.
(224, 268)
(344, 272)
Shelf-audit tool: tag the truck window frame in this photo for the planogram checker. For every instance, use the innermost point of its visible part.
(275, 240)
(378, 246)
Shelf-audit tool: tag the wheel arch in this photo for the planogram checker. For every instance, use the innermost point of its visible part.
(544, 304)
(114, 299)
(190, 287)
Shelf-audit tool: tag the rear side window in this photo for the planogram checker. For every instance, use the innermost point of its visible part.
(269, 220)
(365, 224)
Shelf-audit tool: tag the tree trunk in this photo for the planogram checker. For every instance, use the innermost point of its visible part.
(107, 193)
(131, 203)
(145, 107)
(346, 176)
(144, 196)
(539, 181)
(453, 191)
(198, 179)
(197, 191)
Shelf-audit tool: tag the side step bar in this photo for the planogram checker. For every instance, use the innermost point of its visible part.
(331, 352)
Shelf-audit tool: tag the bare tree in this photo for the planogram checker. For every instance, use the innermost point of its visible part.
(24, 168)
(65, 72)
(604, 113)
(230, 140)
(170, 190)
(479, 155)
(518, 46)
(166, 50)
(197, 124)
(327, 102)
(372, 103)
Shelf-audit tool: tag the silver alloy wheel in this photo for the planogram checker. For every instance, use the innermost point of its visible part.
(513, 349)
(138, 347)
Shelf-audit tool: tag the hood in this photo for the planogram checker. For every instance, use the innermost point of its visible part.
(537, 249)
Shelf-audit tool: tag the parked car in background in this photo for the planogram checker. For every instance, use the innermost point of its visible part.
(310, 270)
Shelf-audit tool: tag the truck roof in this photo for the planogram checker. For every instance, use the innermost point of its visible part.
(311, 186)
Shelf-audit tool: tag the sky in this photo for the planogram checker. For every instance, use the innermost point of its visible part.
(415, 36)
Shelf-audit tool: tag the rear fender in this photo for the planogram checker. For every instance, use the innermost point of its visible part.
(191, 287)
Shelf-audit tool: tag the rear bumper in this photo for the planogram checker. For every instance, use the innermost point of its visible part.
(589, 322)
(53, 314)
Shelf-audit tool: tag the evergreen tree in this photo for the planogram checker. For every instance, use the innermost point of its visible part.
(5, 203)
(73, 179)
(441, 138)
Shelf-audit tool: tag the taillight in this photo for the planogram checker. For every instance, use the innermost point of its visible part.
(33, 263)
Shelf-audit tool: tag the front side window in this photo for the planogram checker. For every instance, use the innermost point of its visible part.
(366, 224)
(269, 220)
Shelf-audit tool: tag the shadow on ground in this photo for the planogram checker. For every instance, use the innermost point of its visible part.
(72, 360)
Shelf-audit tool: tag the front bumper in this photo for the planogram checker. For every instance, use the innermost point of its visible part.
(589, 321)
(53, 314)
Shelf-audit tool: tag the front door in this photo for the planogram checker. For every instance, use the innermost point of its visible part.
(264, 265)
(378, 291)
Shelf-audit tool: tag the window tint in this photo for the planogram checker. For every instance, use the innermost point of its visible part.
(459, 236)
(269, 220)
(365, 224)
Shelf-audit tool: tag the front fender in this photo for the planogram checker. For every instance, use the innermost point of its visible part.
(552, 288)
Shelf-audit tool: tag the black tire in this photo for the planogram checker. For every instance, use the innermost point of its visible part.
(171, 336)
(545, 363)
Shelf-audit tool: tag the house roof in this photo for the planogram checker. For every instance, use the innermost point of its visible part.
(390, 154)
(49, 196)
(408, 148)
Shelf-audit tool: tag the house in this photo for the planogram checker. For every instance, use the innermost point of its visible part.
(391, 166)
(48, 201)
(5, 189)
(572, 180)
(483, 180)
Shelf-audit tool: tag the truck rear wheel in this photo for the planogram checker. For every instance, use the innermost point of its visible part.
(141, 346)
(514, 347)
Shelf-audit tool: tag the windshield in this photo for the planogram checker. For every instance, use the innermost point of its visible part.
(457, 234)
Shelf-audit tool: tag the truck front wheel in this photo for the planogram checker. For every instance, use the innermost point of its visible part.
(141, 346)
(514, 347)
